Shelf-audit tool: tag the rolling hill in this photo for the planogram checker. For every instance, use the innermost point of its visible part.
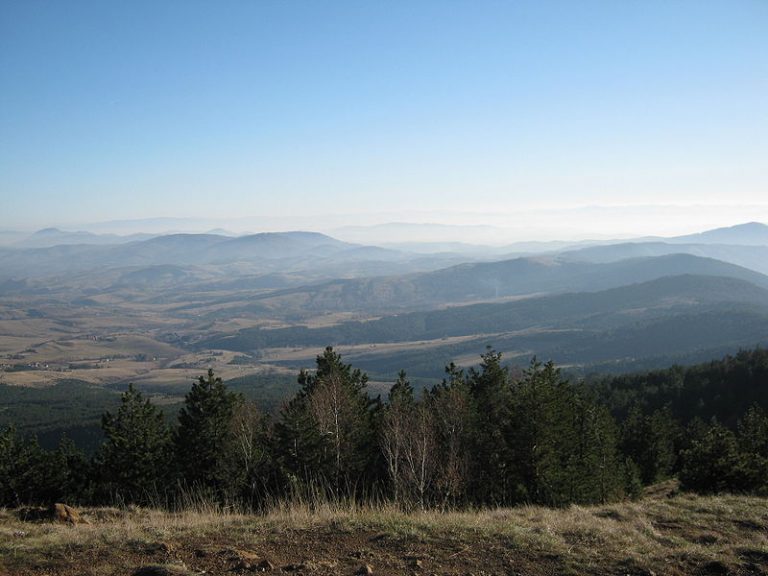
(666, 317)
(747, 234)
(752, 257)
(486, 281)
(623, 303)
(255, 254)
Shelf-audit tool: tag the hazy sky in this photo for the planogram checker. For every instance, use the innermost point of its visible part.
(289, 111)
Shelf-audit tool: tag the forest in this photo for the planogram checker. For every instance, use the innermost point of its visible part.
(483, 437)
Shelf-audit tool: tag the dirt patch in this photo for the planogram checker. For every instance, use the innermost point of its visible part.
(315, 552)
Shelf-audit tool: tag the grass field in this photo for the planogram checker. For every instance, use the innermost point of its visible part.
(664, 535)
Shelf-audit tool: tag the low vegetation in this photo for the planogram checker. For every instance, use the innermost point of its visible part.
(666, 533)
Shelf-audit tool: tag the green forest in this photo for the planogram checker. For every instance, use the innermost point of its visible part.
(486, 436)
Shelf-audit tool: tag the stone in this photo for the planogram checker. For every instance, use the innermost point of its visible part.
(169, 570)
(265, 566)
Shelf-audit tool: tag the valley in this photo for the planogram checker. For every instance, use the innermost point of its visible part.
(159, 311)
(275, 298)
(366, 288)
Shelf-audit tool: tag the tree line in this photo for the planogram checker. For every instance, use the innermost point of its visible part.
(481, 437)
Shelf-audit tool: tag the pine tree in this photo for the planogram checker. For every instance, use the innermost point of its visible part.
(564, 444)
(753, 445)
(713, 463)
(297, 441)
(650, 442)
(9, 464)
(591, 468)
(753, 432)
(31, 475)
(633, 485)
(491, 454)
(134, 458)
(76, 476)
(204, 440)
(538, 428)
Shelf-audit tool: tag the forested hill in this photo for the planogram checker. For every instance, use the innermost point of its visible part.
(608, 308)
(673, 319)
(488, 281)
(722, 389)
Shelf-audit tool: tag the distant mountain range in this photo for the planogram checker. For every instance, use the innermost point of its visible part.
(257, 253)
(753, 257)
(308, 272)
(489, 281)
(651, 300)
(421, 237)
(49, 237)
(748, 234)
(442, 238)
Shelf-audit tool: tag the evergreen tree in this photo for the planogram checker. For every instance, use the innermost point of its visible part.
(565, 445)
(491, 454)
(753, 445)
(204, 440)
(77, 476)
(10, 463)
(591, 467)
(539, 426)
(401, 391)
(753, 432)
(713, 463)
(297, 441)
(134, 457)
(633, 485)
(650, 442)
(31, 475)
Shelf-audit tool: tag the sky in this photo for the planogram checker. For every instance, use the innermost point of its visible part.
(553, 119)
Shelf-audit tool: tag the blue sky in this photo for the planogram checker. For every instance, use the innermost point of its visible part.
(368, 111)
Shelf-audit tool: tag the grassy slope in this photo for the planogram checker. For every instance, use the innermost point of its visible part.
(678, 535)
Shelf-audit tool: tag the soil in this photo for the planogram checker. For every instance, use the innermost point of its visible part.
(301, 553)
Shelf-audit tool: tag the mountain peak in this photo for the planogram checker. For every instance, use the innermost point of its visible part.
(747, 233)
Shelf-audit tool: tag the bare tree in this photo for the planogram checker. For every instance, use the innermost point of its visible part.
(333, 411)
(453, 414)
(391, 441)
(393, 434)
(420, 453)
(247, 429)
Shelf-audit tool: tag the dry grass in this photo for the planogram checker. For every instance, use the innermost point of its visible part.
(683, 534)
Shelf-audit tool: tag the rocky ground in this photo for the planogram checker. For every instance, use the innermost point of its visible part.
(664, 535)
